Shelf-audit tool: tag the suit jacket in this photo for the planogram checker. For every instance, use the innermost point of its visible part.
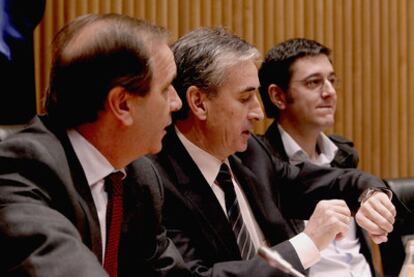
(48, 221)
(199, 228)
(346, 157)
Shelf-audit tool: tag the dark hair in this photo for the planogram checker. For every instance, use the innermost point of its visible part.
(276, 67)
(92, 55)
(203, 56)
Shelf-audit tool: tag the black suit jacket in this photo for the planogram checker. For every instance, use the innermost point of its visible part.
(199, 228)
(346, 157)
(392, 252)
(48, 221)
(197, 224)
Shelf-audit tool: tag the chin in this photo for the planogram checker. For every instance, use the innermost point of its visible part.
(155, 149)
(242, 147)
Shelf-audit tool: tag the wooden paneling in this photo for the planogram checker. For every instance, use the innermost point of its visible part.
(372, 43)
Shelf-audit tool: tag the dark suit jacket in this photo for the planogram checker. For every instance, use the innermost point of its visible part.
(346, 157)
(48, 221)
(199, 228)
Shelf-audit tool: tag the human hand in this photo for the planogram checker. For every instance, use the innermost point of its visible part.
(330, 220)
(377, 216)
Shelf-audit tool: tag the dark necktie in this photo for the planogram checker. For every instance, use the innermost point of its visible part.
(247, 249)
(113, 186)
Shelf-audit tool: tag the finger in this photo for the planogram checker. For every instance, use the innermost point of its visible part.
(337, 206)
(383, 206)
(371, 212)
(379, 238)
(371, 227)
(388, 205)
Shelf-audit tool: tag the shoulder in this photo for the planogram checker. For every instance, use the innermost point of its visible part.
(347, 155)
(36, 144)
(340, 140)
(143, 173)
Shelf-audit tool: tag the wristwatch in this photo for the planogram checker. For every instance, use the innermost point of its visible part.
(370, 191)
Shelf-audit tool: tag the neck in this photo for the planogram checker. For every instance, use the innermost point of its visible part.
(196, 132)
(306, 138)
(102, 138)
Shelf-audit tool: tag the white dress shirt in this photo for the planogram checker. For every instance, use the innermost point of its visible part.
(209, 167)
(96, 168)
(342, 257)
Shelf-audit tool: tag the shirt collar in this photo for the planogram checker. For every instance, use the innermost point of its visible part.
(297, 155)
(94, 164)
(207, 163)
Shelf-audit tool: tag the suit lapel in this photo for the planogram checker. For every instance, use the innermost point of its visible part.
(86, 217)
(273, 138)
(200, 198)
(265, 211)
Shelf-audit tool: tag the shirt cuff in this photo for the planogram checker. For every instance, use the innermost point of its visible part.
(306, 249)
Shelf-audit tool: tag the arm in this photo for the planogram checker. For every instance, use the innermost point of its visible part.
(307, 183)
(146, 238)
(37, 239)
(200, 265)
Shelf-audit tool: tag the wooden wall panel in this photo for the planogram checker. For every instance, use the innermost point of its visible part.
(372, 43)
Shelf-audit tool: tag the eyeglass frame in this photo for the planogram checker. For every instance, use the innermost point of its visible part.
(320, 84)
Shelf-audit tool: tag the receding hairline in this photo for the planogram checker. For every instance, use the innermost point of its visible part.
(89, 34)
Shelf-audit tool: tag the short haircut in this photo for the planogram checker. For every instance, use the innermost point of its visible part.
(203, 57)
(93, 54)
(277, 67)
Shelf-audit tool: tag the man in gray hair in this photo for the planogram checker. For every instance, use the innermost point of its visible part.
(217, 210)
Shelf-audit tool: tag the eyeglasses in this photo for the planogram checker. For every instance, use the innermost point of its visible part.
(318, 82)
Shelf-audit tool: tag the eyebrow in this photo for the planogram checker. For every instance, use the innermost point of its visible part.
(319, 75)
(248, 89)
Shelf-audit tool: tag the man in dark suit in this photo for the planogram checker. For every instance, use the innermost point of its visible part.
(217, 210)
(72, 195)
(299, 91)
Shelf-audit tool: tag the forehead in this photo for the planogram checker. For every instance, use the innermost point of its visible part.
(241, 76)
(308, 65)
(163, 63)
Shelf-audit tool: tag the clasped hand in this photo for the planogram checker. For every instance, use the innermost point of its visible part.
(331, 218)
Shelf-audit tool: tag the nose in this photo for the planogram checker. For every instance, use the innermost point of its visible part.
(328, 89)
(174, 100)
(256, 112)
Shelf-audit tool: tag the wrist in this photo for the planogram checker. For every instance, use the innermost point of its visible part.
(371, 191)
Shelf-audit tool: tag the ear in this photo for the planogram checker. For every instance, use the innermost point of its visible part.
(196, 100)
(118, 103)
(277, 96)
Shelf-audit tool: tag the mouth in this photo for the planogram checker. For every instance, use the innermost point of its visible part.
(325, 107)
(246, 133)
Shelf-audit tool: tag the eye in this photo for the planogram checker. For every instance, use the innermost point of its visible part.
(314, 83)
(245, 98)
(334, 81)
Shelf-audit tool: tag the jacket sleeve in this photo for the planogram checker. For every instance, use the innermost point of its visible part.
(146, 231)
(196, 260)
(306, 183)
(36, 239)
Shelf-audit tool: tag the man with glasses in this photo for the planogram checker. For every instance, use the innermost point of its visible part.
(298, 90)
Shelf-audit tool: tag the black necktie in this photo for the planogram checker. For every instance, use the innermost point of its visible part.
(247, 249)
(113, 185)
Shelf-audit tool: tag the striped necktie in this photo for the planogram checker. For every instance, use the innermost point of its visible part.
(247, 249)
(113, 185)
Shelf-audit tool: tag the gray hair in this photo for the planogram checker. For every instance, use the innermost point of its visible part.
(203, 58)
